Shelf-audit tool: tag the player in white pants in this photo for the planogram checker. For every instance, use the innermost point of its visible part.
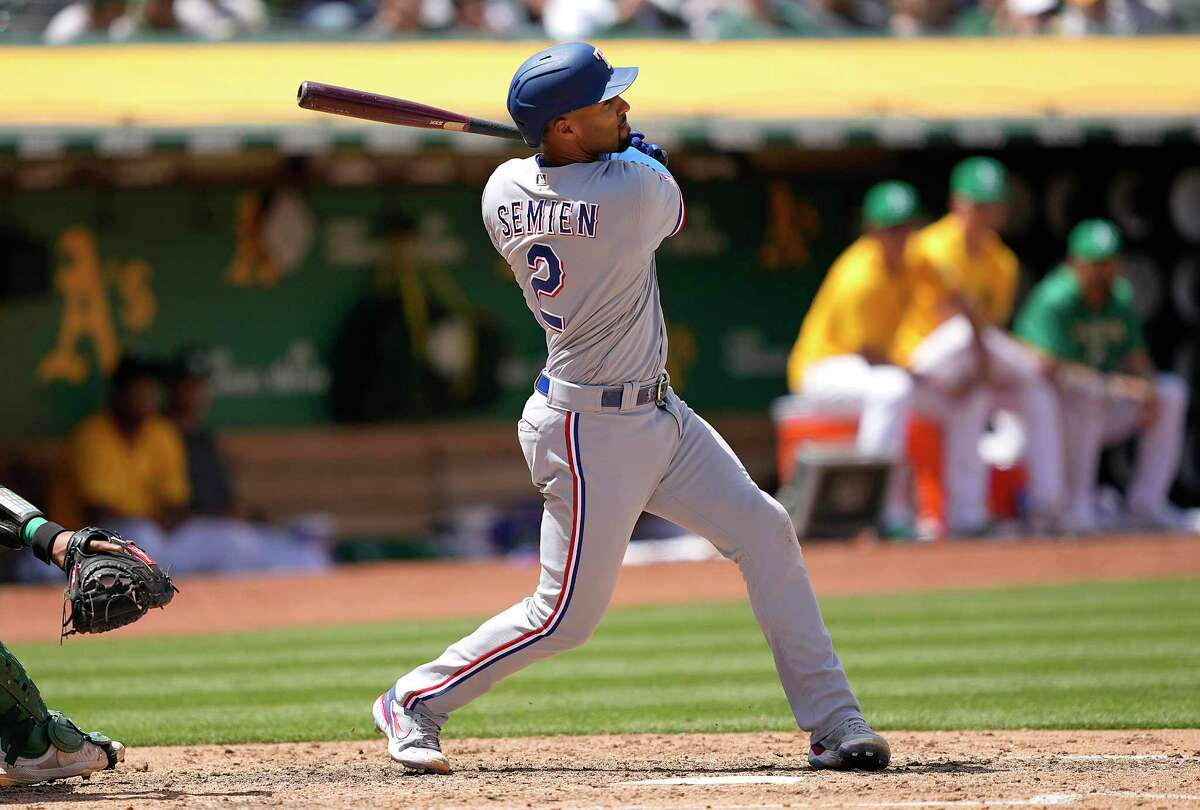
(1082, 320)
(604, 435)
(1014, 381)
(969, 354)
(845, 354)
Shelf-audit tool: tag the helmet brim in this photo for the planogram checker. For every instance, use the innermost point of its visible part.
(619, 82)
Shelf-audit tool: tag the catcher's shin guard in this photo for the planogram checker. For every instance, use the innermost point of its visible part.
(27, 727)
(23, 713)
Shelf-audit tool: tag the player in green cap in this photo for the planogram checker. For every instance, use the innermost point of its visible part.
(960, 346)
(844, 357)
(1082, 321)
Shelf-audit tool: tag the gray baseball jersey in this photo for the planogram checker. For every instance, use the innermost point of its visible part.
(580, 240)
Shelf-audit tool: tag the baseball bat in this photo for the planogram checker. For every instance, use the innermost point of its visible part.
(330, 98)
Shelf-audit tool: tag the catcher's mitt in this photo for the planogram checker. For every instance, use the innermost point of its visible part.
(107, 590)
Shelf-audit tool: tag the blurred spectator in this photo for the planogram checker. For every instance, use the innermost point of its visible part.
(1025, 17)
(391, 16)
(577, 19)
(188, 406)
(89, 18)
(580, 19)
(1077, 18)
(126, 462)
(911, 18)
(125, 466)
(702, 19)
(164, 483)
(215, 536)
(489, 16)
(836, 16)
(1084, 17)
(123, 19)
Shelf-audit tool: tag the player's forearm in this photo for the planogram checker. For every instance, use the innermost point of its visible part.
(1140, 364)
(1129, 386)
(23, 524)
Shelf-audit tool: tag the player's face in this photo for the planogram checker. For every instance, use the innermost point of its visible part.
(1097, 278)
(602, 127)
(985, 216)
(893, 240)
(993, 215)
(192, 398)
(139, 399)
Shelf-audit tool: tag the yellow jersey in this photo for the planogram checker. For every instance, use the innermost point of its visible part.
(986, 281)
(133, 478)
(858, 308)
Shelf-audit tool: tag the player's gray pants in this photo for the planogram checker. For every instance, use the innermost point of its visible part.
(599, 472)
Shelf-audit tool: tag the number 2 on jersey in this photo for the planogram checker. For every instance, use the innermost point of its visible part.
(547, 281)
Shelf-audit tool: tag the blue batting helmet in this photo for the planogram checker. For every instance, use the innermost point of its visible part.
(559, 79)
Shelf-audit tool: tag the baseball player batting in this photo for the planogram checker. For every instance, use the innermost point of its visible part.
(604, 435)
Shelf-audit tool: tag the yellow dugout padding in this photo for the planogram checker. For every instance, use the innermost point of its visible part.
(165, 85)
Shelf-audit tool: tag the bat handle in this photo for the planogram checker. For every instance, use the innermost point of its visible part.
(481, 126)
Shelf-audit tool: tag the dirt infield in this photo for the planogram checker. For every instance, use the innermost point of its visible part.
(412, 591)
(1085, 770)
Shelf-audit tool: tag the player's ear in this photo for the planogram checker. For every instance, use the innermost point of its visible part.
(562, 125)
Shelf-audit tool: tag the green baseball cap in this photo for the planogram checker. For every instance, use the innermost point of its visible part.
(1094, 240)
(980, 180)
(889, 204)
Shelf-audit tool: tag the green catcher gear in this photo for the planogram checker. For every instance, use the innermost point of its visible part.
(22, 524)
(27, 727)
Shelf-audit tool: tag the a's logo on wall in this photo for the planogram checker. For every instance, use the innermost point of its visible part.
(274, 233)
(84, 281)
(792, 224)
(681, 337)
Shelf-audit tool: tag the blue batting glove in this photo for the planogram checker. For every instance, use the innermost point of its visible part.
(638, 141)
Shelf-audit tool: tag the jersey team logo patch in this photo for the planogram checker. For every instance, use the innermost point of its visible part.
(541, 179)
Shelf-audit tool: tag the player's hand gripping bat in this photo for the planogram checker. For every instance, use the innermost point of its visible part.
(330, 98)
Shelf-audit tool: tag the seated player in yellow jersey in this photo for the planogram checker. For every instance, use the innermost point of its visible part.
(844, 357)
(971, 351)
(125, 466)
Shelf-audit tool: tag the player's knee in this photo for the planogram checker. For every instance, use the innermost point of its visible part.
(1082, 394)
(571, 637)
(891, 384)
(575, 625)
(1172, 391)
(774, 523)
(573, 631)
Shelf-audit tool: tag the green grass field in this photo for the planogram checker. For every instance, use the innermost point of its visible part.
(1101, 655)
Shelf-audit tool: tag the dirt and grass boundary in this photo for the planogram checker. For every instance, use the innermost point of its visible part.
(977, 769)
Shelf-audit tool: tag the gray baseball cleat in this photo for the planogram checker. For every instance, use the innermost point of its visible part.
(852, 745)
(412, 737)
(58, 764)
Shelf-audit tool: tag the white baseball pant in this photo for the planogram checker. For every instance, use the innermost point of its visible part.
(598, 473)
(885, 397)
(1094, 418)
(947, 357)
